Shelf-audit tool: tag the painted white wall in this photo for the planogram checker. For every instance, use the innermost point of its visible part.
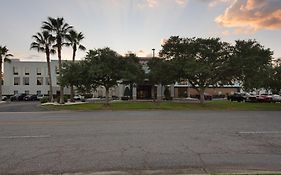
(9, 88)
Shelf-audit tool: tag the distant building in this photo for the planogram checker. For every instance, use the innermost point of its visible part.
(29, 77)
(32, 78)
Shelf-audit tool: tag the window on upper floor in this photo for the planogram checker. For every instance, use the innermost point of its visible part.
(26, 92)
(39, 71)
(38, 92)
(16, 80)
(27, 71)
(39, 80)
(15, 70)
(16, 92)
(25, 80)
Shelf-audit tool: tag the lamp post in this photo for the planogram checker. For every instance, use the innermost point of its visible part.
(153, 53)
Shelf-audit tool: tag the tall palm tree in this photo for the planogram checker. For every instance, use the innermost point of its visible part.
(60, 29)
(74, 39)
(43, 43)
(4, 56)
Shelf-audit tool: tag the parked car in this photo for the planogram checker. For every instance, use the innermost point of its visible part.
(30, 98)
(40, 96)
(78, 97)
(276, 98)
(4, 98)
(237, 96)
(251, 98)
(264, 98)
(18, 97)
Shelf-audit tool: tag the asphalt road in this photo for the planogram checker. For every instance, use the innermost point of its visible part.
(190, 141)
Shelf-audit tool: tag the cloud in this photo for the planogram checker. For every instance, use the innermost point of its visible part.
(248, 16)
(181, 2)
(156, 3)
(213, 3)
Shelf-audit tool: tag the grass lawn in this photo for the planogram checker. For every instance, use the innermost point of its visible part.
(213, 105)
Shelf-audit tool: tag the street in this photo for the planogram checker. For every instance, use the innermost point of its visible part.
(196, 141)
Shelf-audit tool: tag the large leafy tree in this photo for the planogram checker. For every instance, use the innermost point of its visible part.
(251, 63)
(161, 72)
(131, 71)
(43, 43)
(203, 62)
(77, 74)
(60, 29)
(74, 40)
(274, 79)
(4, 57)
(104, 68)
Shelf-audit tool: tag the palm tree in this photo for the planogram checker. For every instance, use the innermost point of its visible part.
(43, 43)
(4, 56)
(60, 29)
(74, 40)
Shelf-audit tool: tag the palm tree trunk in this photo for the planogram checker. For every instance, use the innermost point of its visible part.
(51, 98)
(1, 78)
(60, 68)
(72, 92)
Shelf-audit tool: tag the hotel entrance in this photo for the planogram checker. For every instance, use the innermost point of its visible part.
(144, 92)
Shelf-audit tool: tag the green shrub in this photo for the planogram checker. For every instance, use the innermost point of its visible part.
(44, 100)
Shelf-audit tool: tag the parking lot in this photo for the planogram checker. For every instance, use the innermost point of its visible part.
(23, 106)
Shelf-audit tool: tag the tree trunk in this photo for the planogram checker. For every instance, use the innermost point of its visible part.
(51, 98)
(1, 78)
(202, 98)
(72, 92)
(107, 96)
(60, 70)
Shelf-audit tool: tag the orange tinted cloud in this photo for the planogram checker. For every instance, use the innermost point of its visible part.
(252, 15)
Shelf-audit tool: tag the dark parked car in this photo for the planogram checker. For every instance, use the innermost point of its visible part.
(18, 97)
(237, 97)
(30, 98)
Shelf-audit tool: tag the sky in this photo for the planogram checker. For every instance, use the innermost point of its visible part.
(139, 25)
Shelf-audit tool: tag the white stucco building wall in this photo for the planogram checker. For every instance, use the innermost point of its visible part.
(23, 76)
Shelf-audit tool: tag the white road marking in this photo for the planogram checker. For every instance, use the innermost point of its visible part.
(20, 137)
(260, 132)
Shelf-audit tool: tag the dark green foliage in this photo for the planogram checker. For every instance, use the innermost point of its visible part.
(131, 70)
(44, 100)
(203, 62)
(167, 93)
(250, 64)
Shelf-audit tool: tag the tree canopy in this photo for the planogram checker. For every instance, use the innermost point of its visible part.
(203, 62)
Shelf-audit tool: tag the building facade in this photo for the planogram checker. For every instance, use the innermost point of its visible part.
(32, 78)
(29, 77)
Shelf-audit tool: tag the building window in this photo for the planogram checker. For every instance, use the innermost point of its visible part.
(38, 92)
(26, 92)
(47, 80)
(39, 80)
(39, 71)
(27, 71)
(25, 80)
(15, 70)
(16, 80)
(16, 92)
